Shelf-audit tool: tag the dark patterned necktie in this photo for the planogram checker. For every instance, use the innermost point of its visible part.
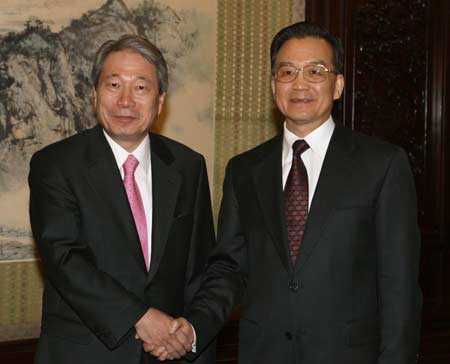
(296, 200)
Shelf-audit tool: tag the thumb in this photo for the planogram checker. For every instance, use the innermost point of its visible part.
(174, 326)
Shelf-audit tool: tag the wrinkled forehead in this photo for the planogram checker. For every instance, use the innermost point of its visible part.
(127, 62)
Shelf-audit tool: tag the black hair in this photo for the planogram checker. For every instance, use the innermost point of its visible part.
(302, 30)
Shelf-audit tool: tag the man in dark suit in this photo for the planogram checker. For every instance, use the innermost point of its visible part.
(317, 233)
(122, 220)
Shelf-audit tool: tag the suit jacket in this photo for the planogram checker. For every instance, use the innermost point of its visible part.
(96, 284)
(353, 295)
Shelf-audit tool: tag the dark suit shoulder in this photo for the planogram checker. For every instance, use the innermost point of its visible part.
(369, 156)
(169, 147)
(365, 145)
(362, 139)
(67, 148)
(258, 153)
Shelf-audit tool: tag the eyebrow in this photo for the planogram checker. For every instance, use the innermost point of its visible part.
(138, 77)
(112, 75)
(314, 62)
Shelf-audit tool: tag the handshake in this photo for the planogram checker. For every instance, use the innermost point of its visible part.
(163, 336)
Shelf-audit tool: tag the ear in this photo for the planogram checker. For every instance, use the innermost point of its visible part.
(94, 97)
(161, 99)
(274, 86)
(338, 86)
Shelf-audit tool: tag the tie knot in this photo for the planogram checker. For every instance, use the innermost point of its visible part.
(130, 165)
(299, 147)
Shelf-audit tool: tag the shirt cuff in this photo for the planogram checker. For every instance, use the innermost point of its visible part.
(194, 343)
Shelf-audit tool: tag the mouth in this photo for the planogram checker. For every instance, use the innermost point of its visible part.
(124, 118)
(301, 100)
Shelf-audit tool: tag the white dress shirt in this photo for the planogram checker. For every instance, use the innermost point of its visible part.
(142, 175)
(318, 141)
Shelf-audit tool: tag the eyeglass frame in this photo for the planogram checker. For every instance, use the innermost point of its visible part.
(297, 70)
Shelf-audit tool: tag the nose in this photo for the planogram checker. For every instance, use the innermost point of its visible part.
(300, 83)
(126, 98)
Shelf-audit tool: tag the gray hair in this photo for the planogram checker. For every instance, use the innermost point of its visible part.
(137, 44)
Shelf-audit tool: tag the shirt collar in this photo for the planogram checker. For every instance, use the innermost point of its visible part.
(141, 153)
(317, 140)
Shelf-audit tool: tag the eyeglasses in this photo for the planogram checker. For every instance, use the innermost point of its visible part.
(312, 73)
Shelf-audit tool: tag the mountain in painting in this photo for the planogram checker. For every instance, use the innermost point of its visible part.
(45, 89)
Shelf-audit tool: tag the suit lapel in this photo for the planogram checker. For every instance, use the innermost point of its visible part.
(268, 184)
(104, 176)
(166, 183)
(336, 170)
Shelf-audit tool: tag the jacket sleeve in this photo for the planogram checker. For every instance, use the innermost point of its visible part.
(223, 279)
(398, 251)
(100, 302)
(201, 243)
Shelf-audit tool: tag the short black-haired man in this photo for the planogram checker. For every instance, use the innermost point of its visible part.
(317, 230)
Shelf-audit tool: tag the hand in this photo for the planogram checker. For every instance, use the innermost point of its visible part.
(183, 334)
(183, 331)
(153, 329)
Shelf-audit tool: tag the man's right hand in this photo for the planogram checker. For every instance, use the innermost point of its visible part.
(154, 330)
(182, 333)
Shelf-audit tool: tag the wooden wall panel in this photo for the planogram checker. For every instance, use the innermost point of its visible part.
(17, 352)
(397, 81)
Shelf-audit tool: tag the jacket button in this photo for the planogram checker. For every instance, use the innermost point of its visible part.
(293, 286)
(288, 335)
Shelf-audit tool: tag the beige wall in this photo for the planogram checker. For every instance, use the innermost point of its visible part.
(244, 111)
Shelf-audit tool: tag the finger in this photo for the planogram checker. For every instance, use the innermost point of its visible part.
(185, 335)
(184, 340)
(179, 345)
(175, 324)
(175, 349)
(160, 352)
(164, 356)
(149, 347)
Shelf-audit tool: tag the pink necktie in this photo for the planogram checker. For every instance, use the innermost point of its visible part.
(135, 200)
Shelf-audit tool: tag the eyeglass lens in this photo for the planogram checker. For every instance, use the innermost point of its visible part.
(311, 73)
